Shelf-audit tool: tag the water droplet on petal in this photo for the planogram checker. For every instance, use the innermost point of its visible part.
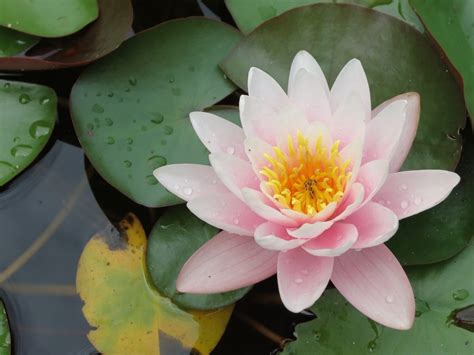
(214, 181)
(110, 140)
(176, 187)
(417, 201)
(187, 191)
(403, 204)
(127, 163)
(403, 187)
(109, 122)
(129, 141)
(389, 299)
(132, 81)
(236, 221)
(39, 129)
(230, 150)
(298, 281)
(304, 272)
(6, 85)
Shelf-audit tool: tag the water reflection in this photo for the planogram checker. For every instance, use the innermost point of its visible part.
(47, 215)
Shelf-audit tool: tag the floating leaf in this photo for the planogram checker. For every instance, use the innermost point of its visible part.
(130, 110)
(175, 237)
(28, 113)
(14, 42)
(396, 58)
(441, 290)
(249, 14)
(451, 23)
(5, 339)
(48, 18)
(128, 314)
(95, 41)
(442, 231)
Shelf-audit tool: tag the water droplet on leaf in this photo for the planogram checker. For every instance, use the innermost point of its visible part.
(24, 99)
(21, 150)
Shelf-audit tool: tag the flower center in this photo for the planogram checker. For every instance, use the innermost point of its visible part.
(306, 179)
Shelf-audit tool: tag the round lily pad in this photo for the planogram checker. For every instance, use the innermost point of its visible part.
(28, 114)
(14, 42)
(442, 291)
(48, 18)
(395, 56)
(451, 25)
(174, 238)
(444, 230)
(98, 39)
(249, 14)
(131, 109)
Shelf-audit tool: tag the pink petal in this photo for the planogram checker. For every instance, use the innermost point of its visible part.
(274, 237)
(234, 172)
(302, 278)
(225, 263)
(218, 135)
(374, 282)
(300, 217)
(189, 181)
(373, 175)
(351, 203)
(347, 123)
(255, 149)
(306, 91)
(384, 132)
(409, 129)
(264, 87)
(410, 192)
(304, 60)
(375, 223)
(258, 203)
(353, 153)
(261, 120)
(310, 230)
(258, 119)
(333, 242)
(351, 79)
(227, 212)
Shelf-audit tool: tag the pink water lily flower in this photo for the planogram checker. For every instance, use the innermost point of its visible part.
(308, 189)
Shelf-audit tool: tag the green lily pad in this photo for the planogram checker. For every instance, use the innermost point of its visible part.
(97, 40)
(48, 18)
(174, 238)
(442, 231)
(228, 112)
(5, 339)
(130, 110)
(395, 56)
(28, 113)
(14, 42)
(249, 14)
(441, 291)
(451, 23)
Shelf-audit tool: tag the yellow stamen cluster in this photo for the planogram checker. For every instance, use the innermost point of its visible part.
(306, 179)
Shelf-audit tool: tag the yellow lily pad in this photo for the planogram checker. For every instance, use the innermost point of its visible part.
(126, 311)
